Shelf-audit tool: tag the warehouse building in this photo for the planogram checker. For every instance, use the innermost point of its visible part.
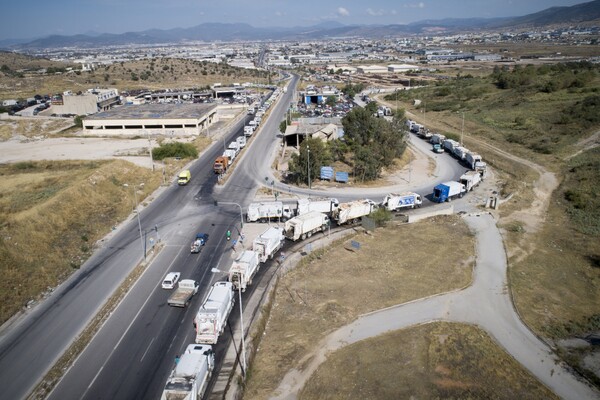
(152, 119)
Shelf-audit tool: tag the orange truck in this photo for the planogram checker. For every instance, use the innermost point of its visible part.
(220, 165)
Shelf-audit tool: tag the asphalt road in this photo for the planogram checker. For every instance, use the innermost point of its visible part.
(133, 353)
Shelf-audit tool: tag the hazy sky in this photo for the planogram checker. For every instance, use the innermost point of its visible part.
(35, 18)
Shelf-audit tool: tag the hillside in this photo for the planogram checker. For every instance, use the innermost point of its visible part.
(143, 74)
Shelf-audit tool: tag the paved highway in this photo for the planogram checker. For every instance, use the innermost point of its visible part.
(132, 355)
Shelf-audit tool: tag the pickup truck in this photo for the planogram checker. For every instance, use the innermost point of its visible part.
(183, 294)
(198, 242)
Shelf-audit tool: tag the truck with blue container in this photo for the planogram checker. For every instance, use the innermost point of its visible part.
(447, 191)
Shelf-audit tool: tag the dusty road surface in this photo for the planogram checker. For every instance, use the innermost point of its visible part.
(133, 150)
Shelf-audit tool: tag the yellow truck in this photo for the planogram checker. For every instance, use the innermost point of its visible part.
(184, 177)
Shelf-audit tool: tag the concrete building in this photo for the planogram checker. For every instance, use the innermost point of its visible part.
(152, 119)
(91, 102)
(296, 133)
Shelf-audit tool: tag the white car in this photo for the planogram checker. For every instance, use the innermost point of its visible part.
(170, 280)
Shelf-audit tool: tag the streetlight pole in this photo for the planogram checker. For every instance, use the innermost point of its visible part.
(233, 204)
(462, 131)
(243, 355)
(242, 329)
(138, 219)
(308, 164)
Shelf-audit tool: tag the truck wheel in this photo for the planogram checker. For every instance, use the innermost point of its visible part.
(309, 234)
(303, 236)
(460, 196)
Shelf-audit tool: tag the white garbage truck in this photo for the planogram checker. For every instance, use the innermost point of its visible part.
(212, 315)
(189, 378)
(326, 206)
(243, 269)
(268, 243)
(470, 179)
(270, 210)
(303, 226)
(395, 201)
(353, 211)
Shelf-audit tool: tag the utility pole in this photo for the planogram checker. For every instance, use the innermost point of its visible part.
(150, 150)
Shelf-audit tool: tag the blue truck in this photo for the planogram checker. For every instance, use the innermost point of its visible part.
(447, 191)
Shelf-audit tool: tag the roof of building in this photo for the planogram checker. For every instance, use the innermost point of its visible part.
(156, 111)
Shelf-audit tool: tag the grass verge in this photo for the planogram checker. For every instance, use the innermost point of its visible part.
(432, 361)
(338, 285)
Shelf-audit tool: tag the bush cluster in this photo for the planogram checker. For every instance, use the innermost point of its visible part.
(175, 149)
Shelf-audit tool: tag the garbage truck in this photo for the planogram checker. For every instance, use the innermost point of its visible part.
(190, 377)
(212, 315)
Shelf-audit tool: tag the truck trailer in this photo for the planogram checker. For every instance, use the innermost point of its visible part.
(447, 191)
(191, 374)
(230, 154)
(267, 211)
(460, 152)
(394, 201)
(353, 211)
(324, 205)
(243, 269)
(449, 145)
(437, 138)
(212, 315)
(186, 289)
(268, 243)
(470, 179)
(303, 226)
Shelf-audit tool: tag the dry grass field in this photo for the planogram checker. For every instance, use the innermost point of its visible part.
(52, 214)
(394, 265)
(432, 361)
(552, 236)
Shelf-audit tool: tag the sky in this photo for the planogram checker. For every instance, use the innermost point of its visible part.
(39, 18)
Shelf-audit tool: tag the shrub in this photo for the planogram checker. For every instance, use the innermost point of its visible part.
(175, 149)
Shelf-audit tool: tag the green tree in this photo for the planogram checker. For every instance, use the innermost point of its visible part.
(283, 126)
(331, 100)
(301, 162)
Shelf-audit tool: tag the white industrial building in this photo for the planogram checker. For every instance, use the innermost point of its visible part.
(152, 119)
(372, 69)
(401, 68)
(91, 102)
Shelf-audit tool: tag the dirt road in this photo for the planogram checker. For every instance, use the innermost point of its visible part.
(486, 303)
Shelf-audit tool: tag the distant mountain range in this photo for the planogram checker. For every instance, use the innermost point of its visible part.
(210, 32)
